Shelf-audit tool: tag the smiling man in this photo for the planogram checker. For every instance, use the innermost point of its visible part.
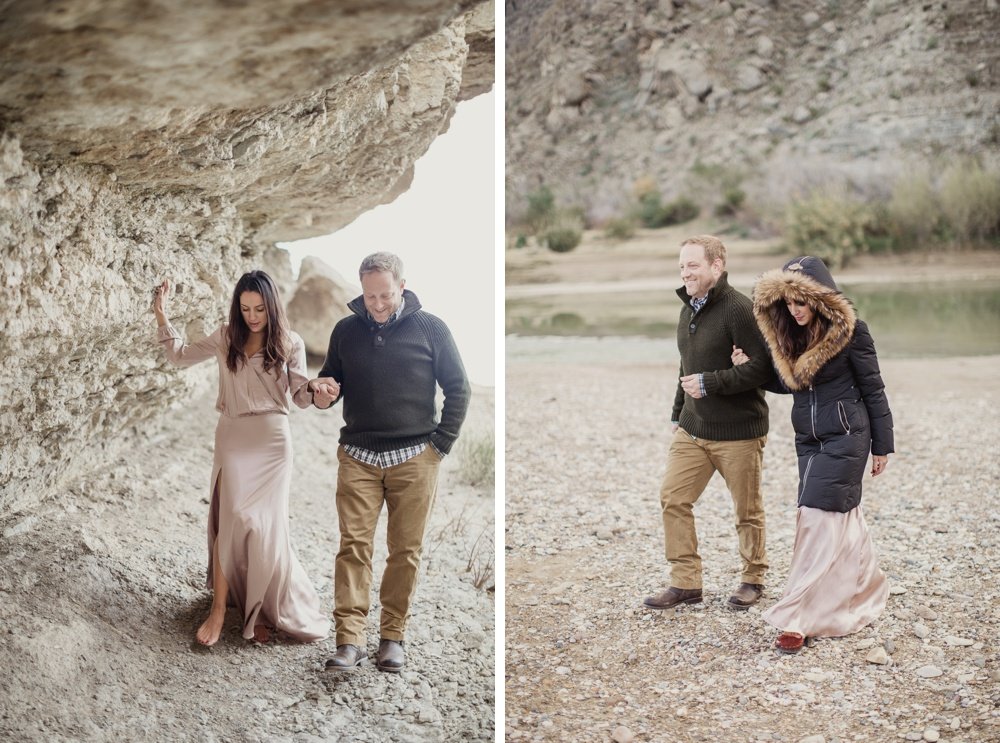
(386, 361)
(719, 423)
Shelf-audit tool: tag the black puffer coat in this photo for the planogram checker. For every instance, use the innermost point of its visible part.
(840, 412)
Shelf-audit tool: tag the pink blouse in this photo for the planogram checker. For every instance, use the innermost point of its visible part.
(251, 390)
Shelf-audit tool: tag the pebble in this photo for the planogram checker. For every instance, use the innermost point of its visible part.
(925, 612)
(622, 734)
(878, 656)
(961, 642)
(931, 735)
(867, 643)
(813, 739)
(929, 672)
(921, 631)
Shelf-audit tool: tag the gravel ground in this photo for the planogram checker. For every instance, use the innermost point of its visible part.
(586, 447)
(102, 589)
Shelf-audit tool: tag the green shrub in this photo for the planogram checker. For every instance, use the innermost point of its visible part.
(732, 201)
(562, 239)
(541, 208)
(650, 209)
(652, 213)
(680, 211)
(521, 241)
(830, 226)
(621, 228)
(970, 201)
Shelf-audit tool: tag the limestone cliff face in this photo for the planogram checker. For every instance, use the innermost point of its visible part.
(603, 92)
(181, 140)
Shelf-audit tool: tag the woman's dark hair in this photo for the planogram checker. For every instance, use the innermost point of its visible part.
(276, 334)
(794, 339)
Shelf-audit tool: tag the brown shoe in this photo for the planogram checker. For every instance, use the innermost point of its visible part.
(746, 596)
(390, 656)
(672, 597)
(346, 658)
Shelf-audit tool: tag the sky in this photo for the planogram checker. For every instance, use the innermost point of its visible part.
(443, 230)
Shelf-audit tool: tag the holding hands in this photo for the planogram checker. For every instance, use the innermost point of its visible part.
(325, 390)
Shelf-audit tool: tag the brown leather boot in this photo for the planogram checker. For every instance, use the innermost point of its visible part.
(746, 596)
(672, 597)
(346, 658)
(391, 656)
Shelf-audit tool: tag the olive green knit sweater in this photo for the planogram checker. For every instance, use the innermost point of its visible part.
(733, 407)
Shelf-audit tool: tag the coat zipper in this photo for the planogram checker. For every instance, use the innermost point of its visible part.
(812, 418)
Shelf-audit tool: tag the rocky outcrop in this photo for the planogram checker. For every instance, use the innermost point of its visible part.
(320, 301)
(602, 93)
(181, 140)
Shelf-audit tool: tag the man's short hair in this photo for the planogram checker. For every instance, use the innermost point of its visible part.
(382, 262)
(713, 247)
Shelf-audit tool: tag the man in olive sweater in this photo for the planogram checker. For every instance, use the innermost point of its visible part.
(719, 423)
(387, 357)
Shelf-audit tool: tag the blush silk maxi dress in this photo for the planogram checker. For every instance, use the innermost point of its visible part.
(251, 475)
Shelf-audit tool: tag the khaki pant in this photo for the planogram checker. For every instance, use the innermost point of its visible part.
(690, 465)
(408, 490)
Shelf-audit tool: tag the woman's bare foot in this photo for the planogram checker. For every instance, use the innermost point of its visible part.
(261, 633)
(211, 629)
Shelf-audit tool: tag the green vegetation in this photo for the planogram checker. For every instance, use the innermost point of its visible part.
(562, 239)
(961, 208)
(477, 458)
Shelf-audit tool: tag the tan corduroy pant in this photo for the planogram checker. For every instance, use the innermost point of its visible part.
(690, 465)
(408, 491)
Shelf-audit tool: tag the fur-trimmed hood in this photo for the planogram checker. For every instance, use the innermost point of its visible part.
(806, 278)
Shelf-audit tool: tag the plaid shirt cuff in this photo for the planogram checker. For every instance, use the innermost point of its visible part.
(701, 385)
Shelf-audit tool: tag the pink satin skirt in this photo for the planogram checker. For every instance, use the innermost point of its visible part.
(835, 586)
(249, 520)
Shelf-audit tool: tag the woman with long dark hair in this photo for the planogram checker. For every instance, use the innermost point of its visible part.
(251, 562)
(824, 355)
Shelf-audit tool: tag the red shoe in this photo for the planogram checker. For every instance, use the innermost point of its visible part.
(789, 642)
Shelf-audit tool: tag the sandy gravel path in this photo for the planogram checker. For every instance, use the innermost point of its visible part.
(101, 592)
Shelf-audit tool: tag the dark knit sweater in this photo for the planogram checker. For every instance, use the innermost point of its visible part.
(389, 379)
(733, 407)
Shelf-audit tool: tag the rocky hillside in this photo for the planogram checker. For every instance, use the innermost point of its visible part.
(781, 94)
(182, 140)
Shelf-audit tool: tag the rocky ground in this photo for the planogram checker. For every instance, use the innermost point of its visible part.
(102, 589)
(586, 446)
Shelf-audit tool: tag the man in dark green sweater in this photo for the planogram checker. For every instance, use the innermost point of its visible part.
(719, 423)
(386, 359)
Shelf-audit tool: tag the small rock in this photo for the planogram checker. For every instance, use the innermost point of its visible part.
(895, 590)
(622, 734)
(929, 672)
(563, 671)
(830, 27)
(956, 723)
(889, 645)
(604, 534)
(813, 739)
(921, 631)
(869, 642)
(810, 19)
(878, 656)
(931, 735)
(958, 642)
(681, 712)
(925, 612)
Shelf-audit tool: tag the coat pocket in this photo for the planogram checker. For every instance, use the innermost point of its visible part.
(844, 420)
